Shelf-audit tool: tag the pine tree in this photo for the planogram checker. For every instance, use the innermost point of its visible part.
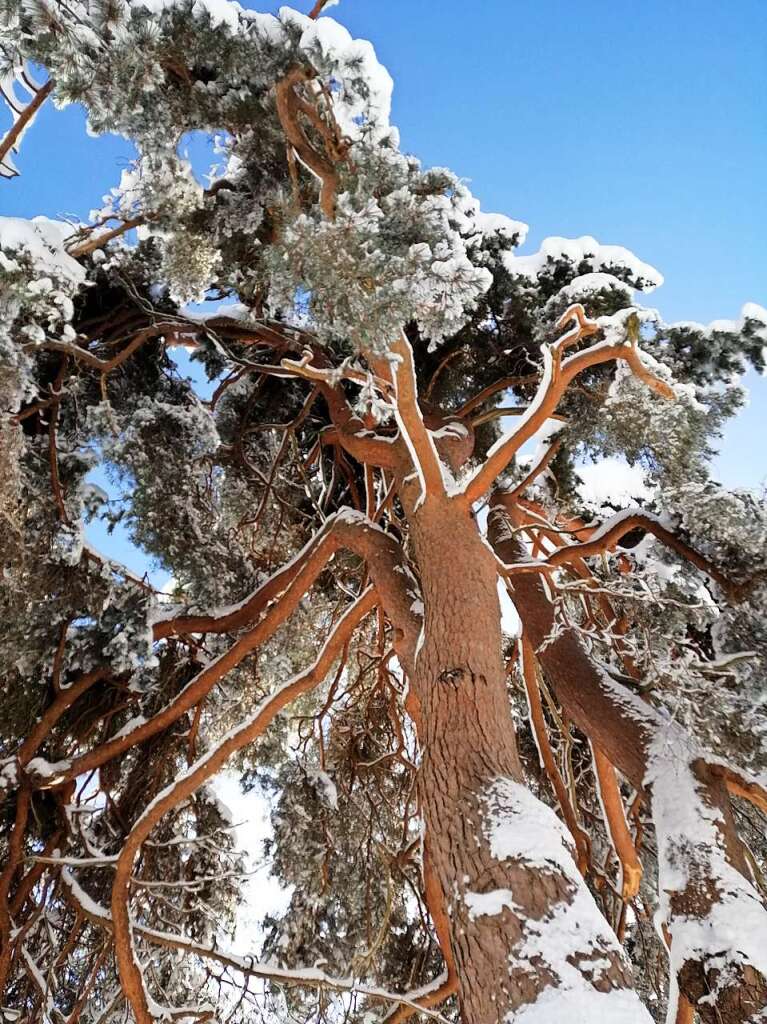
(551, 811)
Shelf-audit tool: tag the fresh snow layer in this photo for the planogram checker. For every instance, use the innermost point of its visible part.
(321, 38)
(221, 12)
(587, 284)
(586, 1006)
(521, 828)
(500, 224)
(44, 240)
(751, 311)
(734, 931)
(488, 903)
(579, 250)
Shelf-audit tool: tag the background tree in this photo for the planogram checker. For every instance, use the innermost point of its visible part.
(507, 812)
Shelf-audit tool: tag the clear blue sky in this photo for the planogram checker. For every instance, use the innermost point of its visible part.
(643, 124)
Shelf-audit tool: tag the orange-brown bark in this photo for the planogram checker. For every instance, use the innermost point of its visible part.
(468, 743)
(623, 727)
(130, 974)
(530, 675)
(617, 826)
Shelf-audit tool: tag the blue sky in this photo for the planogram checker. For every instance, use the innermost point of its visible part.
(642, 124)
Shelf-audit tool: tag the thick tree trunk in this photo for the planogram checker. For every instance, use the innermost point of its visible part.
(525, 932)
(705, 881)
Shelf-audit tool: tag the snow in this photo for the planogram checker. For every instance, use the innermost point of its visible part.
(488, 903)
(48, 770)
(246, 963)
(44, 240)
(91, 908)
(587, 284)
(750, 311)
(327, 42)
(452, 429)
(579, 250)
(620, 517)
(134, 723)
(500, 224)
(690, 848)
(9, 773)
(34, 970)
(612, 480)
(584, 1006)
(221, 12)
(521, 828)
(325, 787)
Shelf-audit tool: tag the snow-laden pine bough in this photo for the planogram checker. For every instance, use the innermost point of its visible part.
(355, 425)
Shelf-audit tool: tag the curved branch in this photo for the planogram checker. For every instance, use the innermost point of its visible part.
(279, 596)
(492, 389)
(604, 538)
(54, 711)
(367, 448)
(617, 826)
(99, 241)
(447, 984)
(636, 738)
(23, 120)
(248, 966)
(288, 106)
(557, 376)
(537, 469)
(106, 365)
(204, 681)
(190, 781)
(317, 551)
(408, 414)
(530, 676)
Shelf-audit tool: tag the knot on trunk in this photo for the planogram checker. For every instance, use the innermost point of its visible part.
(453, 676)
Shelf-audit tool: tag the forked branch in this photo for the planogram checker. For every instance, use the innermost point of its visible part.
(557, 376)
(130, 973)
(608, 535)
(322, 165)
(420, 444)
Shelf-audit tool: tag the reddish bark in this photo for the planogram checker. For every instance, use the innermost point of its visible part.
(623, 727)
(468, 743)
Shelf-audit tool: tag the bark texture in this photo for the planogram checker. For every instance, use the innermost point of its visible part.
(624, 728)
(468, 746)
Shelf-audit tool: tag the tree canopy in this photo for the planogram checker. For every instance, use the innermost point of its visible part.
(511, 734)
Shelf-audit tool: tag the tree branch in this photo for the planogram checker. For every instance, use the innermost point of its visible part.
(557, 376)
(130, 973)
(617, 826)
(23, 120)
(408, 414)
(608, 535)
(99, 241)
(248, 966)
(279, 596)
(530, 677)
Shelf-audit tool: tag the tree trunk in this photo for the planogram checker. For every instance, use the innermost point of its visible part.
(705, 881)
(526, 935)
